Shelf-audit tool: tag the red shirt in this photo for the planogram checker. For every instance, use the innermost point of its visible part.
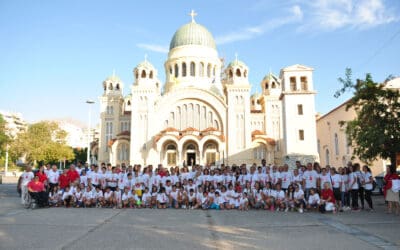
(388, 179)
(36, 186)
(326, 193)
(42, 176)
(64, 181)
(162, 173)
(73, 175)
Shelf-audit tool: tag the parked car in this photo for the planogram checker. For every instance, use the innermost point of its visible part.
(378, 185)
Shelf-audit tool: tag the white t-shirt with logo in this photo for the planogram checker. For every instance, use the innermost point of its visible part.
(310, 177)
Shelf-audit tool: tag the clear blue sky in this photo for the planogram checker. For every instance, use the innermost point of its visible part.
(55, 54)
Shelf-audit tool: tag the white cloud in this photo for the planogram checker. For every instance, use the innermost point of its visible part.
(336, 14)
(295, 15)
(153, 47)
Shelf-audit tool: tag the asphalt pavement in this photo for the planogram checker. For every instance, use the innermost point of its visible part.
(101, 228)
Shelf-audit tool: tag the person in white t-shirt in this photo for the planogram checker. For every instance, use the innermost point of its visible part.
(108, 197)
(112, 179)
(88, 198)
(53, 177)
(313, 200)
(83, 179)
(26, 177)
(134, 199)
(99, 197)
(368, 186)
(286, 177)
(243, 202)
(280, 198)
(336, 181)
(117, 198)
(191, 199)
(125, 198)
(173, 197)
(55, 196)
(146, 198)
(324, 177)
(78, 197)
(298, 197)
(353, 186)
(68, 197)
(162, 199)
(310, 178)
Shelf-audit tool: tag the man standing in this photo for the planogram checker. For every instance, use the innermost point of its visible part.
(310, 178)
(26, 177)
(53, 177)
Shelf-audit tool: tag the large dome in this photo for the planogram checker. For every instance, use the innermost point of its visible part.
(192, 34)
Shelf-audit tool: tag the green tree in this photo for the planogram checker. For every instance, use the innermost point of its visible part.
(42, 142)
(80, 154)
(4, 138)
(375, 132)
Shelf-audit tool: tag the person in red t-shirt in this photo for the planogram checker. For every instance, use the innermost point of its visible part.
(161, 171)
(328, 198)
(73, 175)
(391, 197)
(42, 176)
(38, 192)
(64, 180)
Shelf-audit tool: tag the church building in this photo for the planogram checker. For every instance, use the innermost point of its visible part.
(204, 113)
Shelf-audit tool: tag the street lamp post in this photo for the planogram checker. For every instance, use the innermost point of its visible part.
(89, 128)
(6, 163)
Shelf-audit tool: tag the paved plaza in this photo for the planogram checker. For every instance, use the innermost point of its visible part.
(100, 228)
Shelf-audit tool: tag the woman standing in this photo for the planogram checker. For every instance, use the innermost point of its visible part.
(391, 197)
(368, 186)
(353, 186)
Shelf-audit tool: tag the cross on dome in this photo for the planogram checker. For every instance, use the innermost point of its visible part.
(236, 56)
(145, 57)
(193, 14)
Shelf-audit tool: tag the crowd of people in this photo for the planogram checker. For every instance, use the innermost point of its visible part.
(264, 187)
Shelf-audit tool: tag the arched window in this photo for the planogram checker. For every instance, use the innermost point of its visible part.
(110, 87)
(245, 73)
(171, 147)
(347, 144)
(209, 70)
(273, 85)
(143, 74)
(129, 103)
(327, 157)
(238, 74)
(105, 86)
(117, 87)
(336, 144)
(123, 152)
(176, 70)
(201, 69)
(136, 75)
(230, 73)
(151, 75)
(214, 71)
(192, 69)
(170, 70)
(266, 86)
(183, 69)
